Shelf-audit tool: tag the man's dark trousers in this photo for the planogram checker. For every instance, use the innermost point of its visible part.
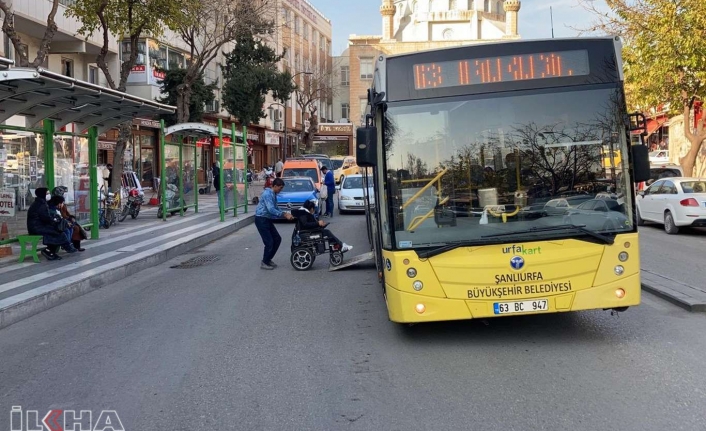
(270, 237)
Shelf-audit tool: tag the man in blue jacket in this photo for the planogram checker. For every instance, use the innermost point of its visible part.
(330, 184)
(264, 214)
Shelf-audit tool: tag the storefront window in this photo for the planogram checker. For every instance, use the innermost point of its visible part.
(128, 157)
(71, 171)
(125, 52)
(146, 168)
(21, 172)
(158, 55)
(176, 60)
(189, 171)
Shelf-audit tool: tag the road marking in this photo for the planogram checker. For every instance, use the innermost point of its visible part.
(121, 236)
(75, 265)
(78, 277)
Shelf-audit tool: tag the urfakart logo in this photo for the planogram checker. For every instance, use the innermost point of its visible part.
(64, 420)
(521, 249)
(517, 262)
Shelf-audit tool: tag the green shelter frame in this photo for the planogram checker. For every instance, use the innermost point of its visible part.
(185, 135)
(49, 102)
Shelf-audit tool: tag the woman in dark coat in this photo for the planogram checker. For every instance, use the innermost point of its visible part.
(41, 222)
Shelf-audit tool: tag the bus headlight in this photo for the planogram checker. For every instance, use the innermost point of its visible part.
(417, 285)
(623, 256)
(420, 308)
(411, 273)
(620, 293)
(619, 270)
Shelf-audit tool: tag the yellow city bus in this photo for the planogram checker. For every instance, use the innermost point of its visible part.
(493, 199)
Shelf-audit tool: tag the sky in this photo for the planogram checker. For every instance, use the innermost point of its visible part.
(362, 17)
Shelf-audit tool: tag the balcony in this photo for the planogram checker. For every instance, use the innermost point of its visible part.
(31, 19)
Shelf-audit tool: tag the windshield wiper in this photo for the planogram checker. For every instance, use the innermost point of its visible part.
(448, 247)
(599, 236)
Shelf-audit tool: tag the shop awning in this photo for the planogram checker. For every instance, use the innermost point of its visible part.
(39, 94)
(654, 124)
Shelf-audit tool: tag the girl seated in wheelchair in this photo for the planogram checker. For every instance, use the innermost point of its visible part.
(308, 223)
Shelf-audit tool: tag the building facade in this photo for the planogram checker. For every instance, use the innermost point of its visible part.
(417, 25)
(304, 35)
(302, 31)
(342, 88)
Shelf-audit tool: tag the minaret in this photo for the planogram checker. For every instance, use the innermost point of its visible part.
(512, 7)
(387, 10)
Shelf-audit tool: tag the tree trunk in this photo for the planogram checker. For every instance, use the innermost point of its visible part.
(8, 27)
(121, 144)
(695, 138)
(183, 102)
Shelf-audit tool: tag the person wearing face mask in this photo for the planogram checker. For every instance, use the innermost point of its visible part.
(41, 221)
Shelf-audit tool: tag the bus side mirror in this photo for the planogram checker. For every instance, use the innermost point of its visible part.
(640, 163)
(366, 146)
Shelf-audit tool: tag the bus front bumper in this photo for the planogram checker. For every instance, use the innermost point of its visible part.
(404, 307)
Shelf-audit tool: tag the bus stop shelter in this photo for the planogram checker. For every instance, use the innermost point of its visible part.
(178, 182)
(37, 107)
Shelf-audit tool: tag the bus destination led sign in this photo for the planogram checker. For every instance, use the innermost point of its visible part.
(510, 68)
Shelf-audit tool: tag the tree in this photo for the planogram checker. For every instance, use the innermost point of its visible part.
(665, 58)
(208, 26)
(317, 87)
(250, 72)
(128, 20)
(8, 27)
(201, 94)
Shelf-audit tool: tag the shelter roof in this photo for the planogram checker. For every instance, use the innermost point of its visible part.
(39, 94)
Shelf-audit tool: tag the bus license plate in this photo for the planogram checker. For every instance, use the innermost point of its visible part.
(521, 306)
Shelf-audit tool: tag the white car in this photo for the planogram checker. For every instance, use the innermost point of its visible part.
(674, 202)
(350, 194)
(659, 156)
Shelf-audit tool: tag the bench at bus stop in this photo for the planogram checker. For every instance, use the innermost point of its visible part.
(33, 242)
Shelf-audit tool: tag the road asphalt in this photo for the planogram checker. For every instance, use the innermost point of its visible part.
(226, 345)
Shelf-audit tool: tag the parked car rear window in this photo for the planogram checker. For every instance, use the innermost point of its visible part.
(302, 172)
(693, 186)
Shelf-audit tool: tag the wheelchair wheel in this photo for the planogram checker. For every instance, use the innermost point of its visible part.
(302, 258)
(336, 258)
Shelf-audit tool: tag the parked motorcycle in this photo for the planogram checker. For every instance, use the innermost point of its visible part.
(133, 204)
(174, 202)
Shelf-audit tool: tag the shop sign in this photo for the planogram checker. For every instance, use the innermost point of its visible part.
(305, 9)
(330, 138)
(138, 74)
(106, 145)
(251, 136)
(331, 128)
(272, 138)
(3, 156)
(7, 203)
(143, 122)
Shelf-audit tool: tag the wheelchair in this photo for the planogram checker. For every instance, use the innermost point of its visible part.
(306, 245)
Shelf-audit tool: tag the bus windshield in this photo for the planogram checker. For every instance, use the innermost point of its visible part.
(514, 166)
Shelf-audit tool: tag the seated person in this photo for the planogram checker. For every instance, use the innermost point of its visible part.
(74, 232)
(307, 222)
(40, 221)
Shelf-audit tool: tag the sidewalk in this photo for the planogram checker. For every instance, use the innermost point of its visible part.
(121, 252)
